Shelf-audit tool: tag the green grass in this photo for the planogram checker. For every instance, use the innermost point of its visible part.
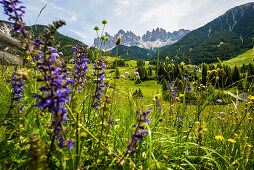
(165, 147)
(244, 58)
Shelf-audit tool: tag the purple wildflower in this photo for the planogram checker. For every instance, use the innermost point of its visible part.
(188, 88)
(99, 72)
(139, 132)
(180, 122)
(54, 94)
(127, 73)
(136, 73)
(172, 90)
(17, 87)
(158, 106)
(219, 101)
(131, 152)
(187, 78)
(70, 143)
(80, 65)
(122, 76)
(222, 113)
(15, 13)
(110, 121)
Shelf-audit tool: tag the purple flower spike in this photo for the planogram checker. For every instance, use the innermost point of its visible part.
(17, 87)
(172, 90)
(80, 66)
(99, 73)
(139, 134)
(54, 94)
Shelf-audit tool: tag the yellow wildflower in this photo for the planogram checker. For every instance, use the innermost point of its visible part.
(217, 78)
(250, 118)
(219, 137)
(182, 63)
(181, 95)
(167, 58)
(209, 72)
(29, 57)
(232, 140)
(218, 69)
(250, 102)
(21, 138)
(251, 97)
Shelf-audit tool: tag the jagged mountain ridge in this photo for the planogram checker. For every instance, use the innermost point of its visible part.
(154, 39)
(225, 37)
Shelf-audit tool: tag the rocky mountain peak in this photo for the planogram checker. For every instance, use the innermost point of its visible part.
(151, 39)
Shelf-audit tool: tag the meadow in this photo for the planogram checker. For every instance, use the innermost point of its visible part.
(241, 59)
(87, 114)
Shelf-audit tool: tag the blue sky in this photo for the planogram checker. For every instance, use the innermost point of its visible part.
(137, 16)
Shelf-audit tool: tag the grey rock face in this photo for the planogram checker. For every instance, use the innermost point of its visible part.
(156, 38)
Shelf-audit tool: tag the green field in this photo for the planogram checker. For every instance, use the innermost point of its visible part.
(238, 61)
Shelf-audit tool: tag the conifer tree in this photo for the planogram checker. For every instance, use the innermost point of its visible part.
(204, 74)
(236, 75)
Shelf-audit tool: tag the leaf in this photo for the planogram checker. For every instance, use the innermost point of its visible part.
(235, 96)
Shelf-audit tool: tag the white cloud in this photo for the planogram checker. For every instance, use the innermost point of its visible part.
(67, 14)
(83, 36)
(137, 16)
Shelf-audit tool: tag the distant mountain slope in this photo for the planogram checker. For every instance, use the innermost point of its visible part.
(136, 53)
(154, 39)
(62, 42)
(225, 37)
(133, 52)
